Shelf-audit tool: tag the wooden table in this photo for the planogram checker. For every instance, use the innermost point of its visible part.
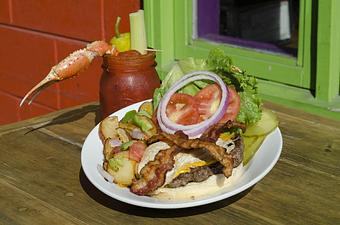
(42, 182)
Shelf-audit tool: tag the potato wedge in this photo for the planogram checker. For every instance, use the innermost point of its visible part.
(110, 146)
(107, 128)
(108, 149)
(122, 168)
(128, 126)
(123, 135)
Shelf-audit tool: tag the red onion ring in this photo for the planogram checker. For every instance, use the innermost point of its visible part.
(169, 126)
(115, 143)
(137, 134)
(176, 87)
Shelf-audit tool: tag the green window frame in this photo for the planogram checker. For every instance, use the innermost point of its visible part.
(309, 81)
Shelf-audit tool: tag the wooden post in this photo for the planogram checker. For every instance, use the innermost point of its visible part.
(328, 54)
(160, 31)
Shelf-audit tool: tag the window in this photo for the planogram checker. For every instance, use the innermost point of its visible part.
(267, 25)
(298, 66)
(282, 68)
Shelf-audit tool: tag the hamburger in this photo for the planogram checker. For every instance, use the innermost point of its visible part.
(174, 166)
(195, 172)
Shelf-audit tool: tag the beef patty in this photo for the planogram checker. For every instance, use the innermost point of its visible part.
(202, 173)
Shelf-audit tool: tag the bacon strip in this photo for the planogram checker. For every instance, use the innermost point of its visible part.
(152, 176)
(213, 133)
(219, 153)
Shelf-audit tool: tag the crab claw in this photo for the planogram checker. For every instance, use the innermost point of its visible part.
(47, 81)
(69, 67)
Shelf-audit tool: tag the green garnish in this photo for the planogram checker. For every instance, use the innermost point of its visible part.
(115, 163)
(125, 146)
(129, 116)
(143, 122)
(144, 113)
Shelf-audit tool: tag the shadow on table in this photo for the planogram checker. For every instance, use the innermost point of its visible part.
(71, 116)
(111, 203)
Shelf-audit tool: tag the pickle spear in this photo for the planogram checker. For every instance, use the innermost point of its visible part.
(264, 126)
(251, 145)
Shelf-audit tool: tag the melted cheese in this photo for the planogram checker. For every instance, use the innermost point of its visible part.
(226, 136)
(186, 168)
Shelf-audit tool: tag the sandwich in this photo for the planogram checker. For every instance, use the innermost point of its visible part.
(195, 172)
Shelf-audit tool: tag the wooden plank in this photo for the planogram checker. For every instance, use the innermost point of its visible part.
(49, 169)
(73, 131)
(309, 140)
(290, 194)
(58, 117)
(20, 207)
(43, 167)
(302, 116)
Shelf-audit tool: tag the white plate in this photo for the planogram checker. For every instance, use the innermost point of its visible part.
(92, 155)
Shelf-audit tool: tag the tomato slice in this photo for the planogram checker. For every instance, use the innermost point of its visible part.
(208, 99)
(136, 150)
(182, 109)
(233, 106)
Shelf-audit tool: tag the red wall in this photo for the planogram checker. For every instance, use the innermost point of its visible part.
(35, 35)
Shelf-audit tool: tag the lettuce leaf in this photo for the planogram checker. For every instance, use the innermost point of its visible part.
(218, 62)
(245, 84)
(172, 76)
(178, 70)
(190, 64)
(190, 89)
(250, 109)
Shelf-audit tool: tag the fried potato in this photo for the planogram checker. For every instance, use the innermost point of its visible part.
(123, 170)
(123, 135)
(108, 128)
(108, 149)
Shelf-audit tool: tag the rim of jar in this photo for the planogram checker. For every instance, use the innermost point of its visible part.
(130, 62)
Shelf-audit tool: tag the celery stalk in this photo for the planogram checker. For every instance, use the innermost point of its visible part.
(137, 30)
